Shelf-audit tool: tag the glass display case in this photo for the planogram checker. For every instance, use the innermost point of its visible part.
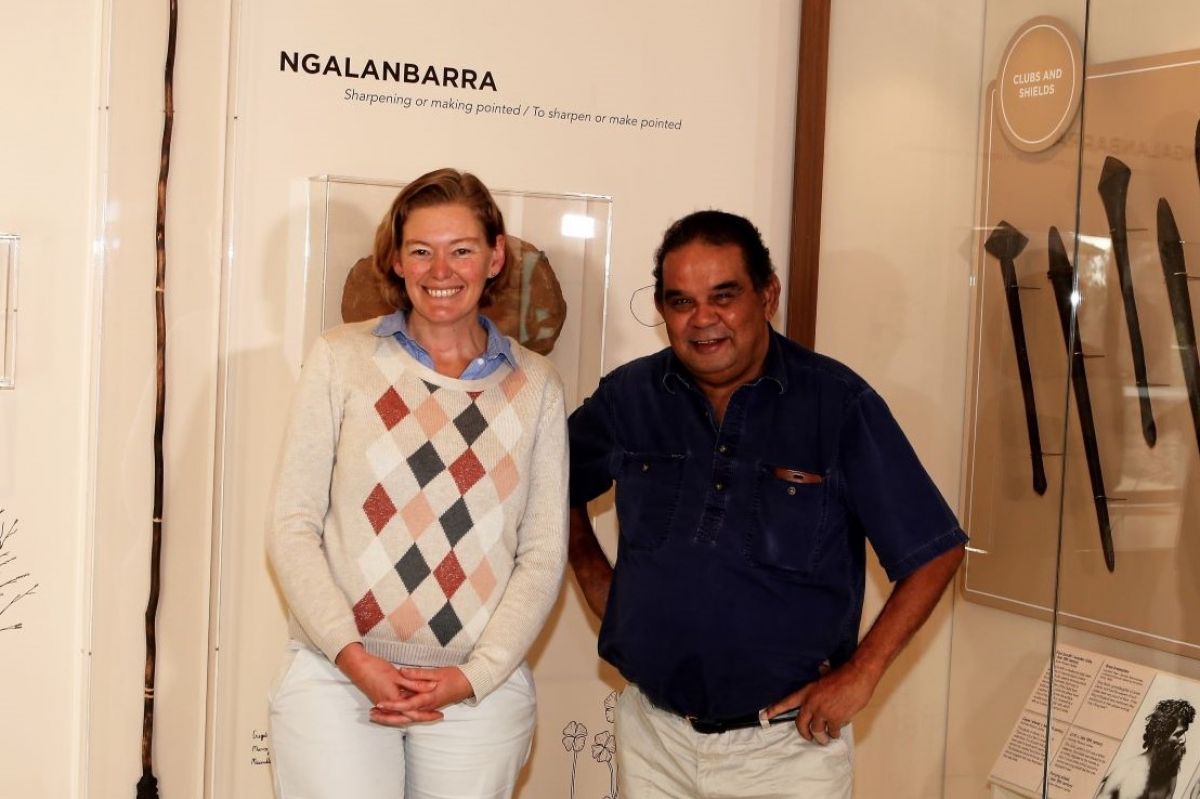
(9, 249)
(1082, 441)
(552, 298)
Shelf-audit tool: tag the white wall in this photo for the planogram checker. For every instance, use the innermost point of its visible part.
(49, 85)
(892, 300)
(899, 185)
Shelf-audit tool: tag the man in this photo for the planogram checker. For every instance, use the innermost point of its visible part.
(749, 474)
(1151, 774)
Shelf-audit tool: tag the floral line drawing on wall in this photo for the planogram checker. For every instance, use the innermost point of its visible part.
(604, 745)
(9, 584)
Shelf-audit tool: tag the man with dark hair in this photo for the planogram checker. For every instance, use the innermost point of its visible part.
(750, 472)
(1151, 773)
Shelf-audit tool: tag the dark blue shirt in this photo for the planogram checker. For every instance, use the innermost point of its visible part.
(741, 560)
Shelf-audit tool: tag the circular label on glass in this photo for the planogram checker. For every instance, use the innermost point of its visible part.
(1040, 82)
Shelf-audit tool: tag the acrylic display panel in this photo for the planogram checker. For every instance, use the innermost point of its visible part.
(557, 271)
(9, 248)
(1128, 462)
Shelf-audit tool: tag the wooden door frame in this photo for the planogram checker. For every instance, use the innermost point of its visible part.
(808, 171)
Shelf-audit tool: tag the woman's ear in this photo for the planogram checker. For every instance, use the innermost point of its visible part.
(498, 255)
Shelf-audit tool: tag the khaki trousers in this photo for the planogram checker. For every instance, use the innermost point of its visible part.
(660, 756)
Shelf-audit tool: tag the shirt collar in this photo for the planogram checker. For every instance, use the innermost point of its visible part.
(498, 344)
(774, 369)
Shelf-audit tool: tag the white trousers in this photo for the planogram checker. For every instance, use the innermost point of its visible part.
(324, 745)
(660, 756)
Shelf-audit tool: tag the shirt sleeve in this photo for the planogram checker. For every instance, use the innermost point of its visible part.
(590, 431)
(902, 512)
(296, 533)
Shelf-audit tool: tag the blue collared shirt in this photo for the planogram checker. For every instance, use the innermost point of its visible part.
(497, 351)
(741, 561)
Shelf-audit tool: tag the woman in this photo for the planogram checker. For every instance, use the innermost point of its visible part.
(419, 526)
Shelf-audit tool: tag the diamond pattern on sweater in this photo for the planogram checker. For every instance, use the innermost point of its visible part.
(385, 455)
(483, 580)
(470, 423)
(466, 471)
(456, 521)
(446, 466)
(513, 383)
(425, 464)
(412, 568)
(431, 417)
(490, 528)
(379, 508)
(406, 620)
(417, 515)
(445, 624)
(505, 477)
(367, 613)
(508, 427)
(374, 562)
(391, 408)
(449, 575)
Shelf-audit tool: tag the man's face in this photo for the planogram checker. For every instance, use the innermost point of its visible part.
(716, 321)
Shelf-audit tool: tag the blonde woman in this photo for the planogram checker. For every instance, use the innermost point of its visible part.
(419, 525)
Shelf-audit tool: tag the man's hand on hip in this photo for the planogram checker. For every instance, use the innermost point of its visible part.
(828, 703)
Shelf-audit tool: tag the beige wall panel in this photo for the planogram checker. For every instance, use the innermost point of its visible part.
(895, 241)
(48, 84)
(127, 395)
(726, 69)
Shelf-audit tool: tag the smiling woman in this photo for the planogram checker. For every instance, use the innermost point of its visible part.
(420, 524)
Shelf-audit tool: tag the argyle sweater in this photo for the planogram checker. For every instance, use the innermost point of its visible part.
(421, 515)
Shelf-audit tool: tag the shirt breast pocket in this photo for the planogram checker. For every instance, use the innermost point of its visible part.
(648, 490)
(787, 530)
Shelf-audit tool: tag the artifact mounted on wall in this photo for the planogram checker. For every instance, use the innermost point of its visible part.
(1114, 189)
(527, 301)
(1170, 250)
(1040, 84)
(1061, 277)
(1005, 243)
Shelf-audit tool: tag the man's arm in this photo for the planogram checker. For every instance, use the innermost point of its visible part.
(828, 703)
(588, 561)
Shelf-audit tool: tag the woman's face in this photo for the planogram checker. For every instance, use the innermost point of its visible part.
(445, 260)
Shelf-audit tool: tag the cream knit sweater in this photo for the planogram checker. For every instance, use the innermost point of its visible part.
(419, 514)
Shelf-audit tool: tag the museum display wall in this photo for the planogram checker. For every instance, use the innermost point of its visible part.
(278, 166)
(1078, 468)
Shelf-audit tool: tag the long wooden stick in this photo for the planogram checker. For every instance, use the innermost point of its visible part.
(147, 786)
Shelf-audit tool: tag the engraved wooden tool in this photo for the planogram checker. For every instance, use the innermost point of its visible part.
(1114, 189)
(1005, 243)
(147, 786)
(1170, 252)
(1061, 278)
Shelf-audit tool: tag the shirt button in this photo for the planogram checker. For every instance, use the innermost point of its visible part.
(719, 486)
(791, 491)
(645, 467)
(723, 449)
